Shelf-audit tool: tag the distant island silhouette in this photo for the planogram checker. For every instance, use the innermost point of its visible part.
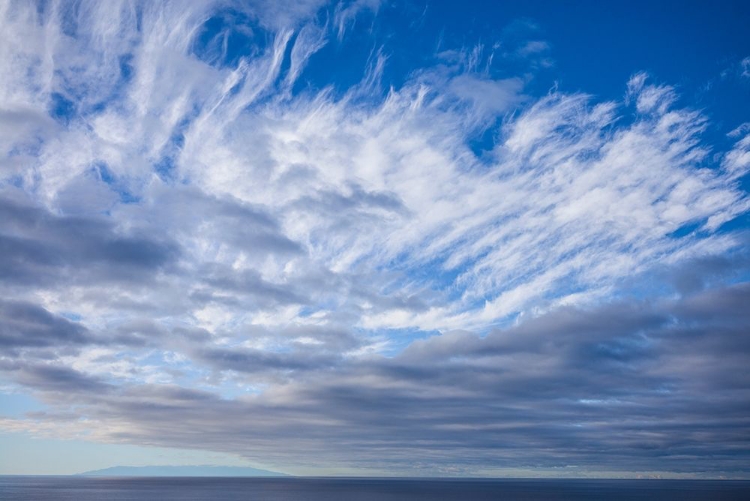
(181, 471)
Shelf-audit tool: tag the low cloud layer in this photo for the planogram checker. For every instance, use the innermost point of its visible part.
(204, 248)
(629, 386)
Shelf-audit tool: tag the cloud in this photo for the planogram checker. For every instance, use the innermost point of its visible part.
(737, 69)
(568, 387)
(194, 231)
(23, 324)
(736, 162)
(556, 165)
(60, 380)
(41, 247)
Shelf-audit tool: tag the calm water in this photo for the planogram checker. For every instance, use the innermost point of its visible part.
(315, 489)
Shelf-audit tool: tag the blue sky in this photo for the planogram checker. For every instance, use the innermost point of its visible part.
(376, 238)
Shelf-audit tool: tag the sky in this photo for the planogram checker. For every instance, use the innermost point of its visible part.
(412, 238)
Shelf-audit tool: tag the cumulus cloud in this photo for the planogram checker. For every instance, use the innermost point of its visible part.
(186, 233)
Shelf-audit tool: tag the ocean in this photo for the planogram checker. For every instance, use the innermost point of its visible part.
(64, 488)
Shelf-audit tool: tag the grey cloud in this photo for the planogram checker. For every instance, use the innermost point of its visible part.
(24, 324)
(145, 267)
(188, 213)
(600, 388)
(351, 209)
(22, 130)
(262, 361)
(704, 272)
(86, 195)
(723, 306)
(139, 332)
(64, 381)
(41, 247)
(146, 332)
(326, 338)
(250, 283)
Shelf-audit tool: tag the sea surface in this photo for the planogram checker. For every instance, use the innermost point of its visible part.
(361, 489)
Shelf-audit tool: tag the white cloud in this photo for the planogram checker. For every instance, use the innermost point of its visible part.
(568, 196)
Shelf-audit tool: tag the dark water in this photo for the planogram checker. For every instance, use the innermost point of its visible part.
(318, 489)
